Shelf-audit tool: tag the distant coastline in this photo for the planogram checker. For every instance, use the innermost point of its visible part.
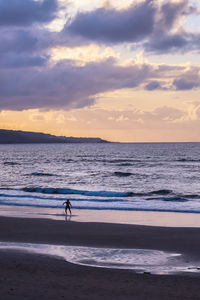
(28, 137)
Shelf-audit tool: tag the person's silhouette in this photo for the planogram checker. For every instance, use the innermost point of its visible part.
(67, 206)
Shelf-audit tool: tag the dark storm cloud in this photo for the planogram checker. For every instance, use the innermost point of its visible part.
(109, 25)
(26, 12)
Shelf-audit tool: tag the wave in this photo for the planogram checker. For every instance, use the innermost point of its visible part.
(122, 174)
(192, 196)
(111, 161)
(165, 194)
(63, 160)
(122, 161)
(73, 191)
(125, 165)
(161, 192)
(188, 160)
(94, 207)
(42, 174)
(172, 199)
(173, 203)
(59, 199)
(10, 163)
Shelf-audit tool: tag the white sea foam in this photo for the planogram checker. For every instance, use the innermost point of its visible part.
(157, 203)
(148, 177)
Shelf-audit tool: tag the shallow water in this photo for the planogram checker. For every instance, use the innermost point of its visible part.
(139, 260)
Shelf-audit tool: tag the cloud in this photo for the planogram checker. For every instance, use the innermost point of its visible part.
(22, 61)
(26, 40)
(171, 12)
(169, 34)
(189, 80)
(126, 119)
(17, 41)
(109, 25)
(30, 79)
(31, 82)
(158, 27)
(185, 84)
(65, 84)
(168, 114)
(146, 24)
(153, 85)
(168, 43)
(27, 12)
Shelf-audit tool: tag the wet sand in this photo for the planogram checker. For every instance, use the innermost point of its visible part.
(149, 218)
(31, 276)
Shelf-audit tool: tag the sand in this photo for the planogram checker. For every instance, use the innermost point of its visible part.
(31, 276)
(150, 218)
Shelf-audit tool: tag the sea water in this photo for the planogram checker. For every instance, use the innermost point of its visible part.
(139, 260)
(110, 176)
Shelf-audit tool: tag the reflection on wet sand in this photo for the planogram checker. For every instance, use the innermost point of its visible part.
(68, 218)
(139, 260)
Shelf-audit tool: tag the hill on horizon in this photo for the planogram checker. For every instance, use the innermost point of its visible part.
(29, 137)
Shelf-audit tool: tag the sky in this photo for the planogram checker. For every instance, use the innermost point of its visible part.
(122, 70)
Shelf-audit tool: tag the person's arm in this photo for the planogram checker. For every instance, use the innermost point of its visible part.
(64, 202)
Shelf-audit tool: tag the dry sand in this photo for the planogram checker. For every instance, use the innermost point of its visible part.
(31, 276)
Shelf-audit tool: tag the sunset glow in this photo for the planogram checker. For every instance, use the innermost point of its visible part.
(124, 71)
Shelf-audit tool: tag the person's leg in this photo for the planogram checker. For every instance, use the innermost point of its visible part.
(70, 210)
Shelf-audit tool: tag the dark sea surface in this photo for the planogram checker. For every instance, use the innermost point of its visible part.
(148, 177)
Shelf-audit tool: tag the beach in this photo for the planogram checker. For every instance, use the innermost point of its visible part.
(35, 276)
(99, 150)
(134, 230)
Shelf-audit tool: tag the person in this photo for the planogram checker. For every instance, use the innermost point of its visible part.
(67, 206)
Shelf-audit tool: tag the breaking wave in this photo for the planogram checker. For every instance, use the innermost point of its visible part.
(98, 200)
(163, 194)
(73, 191)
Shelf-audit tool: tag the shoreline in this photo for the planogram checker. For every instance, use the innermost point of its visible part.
(39, 276)
(146, 218)
(93, 234)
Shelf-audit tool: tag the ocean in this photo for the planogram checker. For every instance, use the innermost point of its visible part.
(110, 176)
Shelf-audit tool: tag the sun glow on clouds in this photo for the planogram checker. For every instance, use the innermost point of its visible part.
(91, 5)
(161, 123)
(83, 55)
(120, 69)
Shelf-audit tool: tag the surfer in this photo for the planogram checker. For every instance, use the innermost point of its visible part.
(67, 206)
